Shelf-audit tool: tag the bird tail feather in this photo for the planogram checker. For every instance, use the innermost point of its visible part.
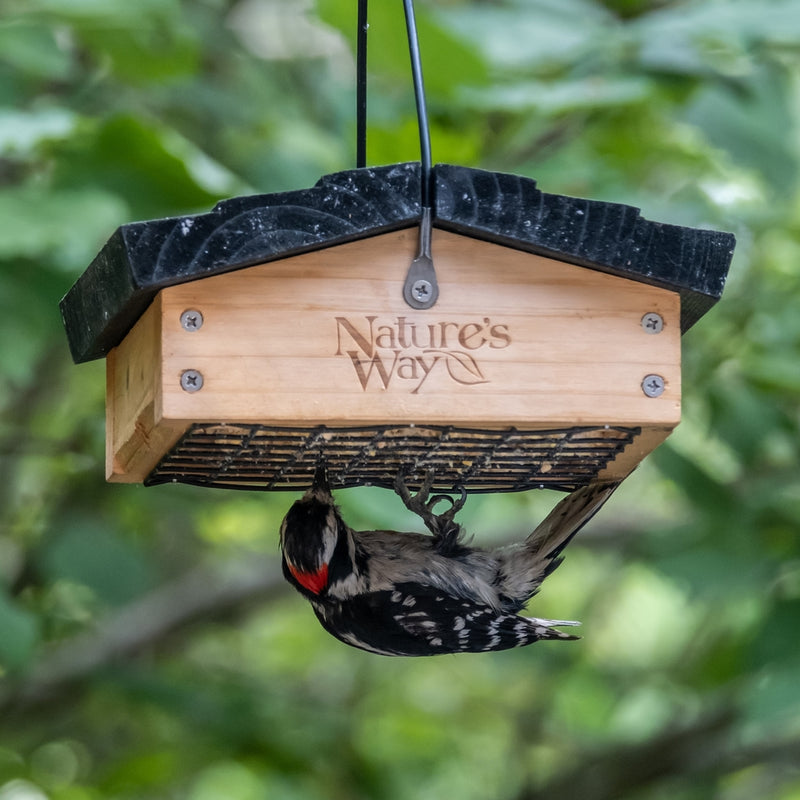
(546, 628)
(558, 528)
(526, 565)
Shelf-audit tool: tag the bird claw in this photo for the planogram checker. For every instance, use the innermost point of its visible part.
(417, 503)
(455, 505)
(422, 505)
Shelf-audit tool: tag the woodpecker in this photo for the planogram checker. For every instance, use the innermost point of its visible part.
(411, 594)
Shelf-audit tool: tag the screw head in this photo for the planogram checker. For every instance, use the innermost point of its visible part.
(191, 320)
(653, 385)
(191, 380)
(421, 290)
(652, 322)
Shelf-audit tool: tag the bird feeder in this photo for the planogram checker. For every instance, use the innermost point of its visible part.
(246, 344)
(539, 347)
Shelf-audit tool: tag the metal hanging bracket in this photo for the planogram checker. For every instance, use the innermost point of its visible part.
(421, 289)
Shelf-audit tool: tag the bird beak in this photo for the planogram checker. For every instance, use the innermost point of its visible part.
(320, 483)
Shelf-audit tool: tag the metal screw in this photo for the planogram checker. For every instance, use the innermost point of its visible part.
(653, 385)
(191, 320)
(652, 322)
(191, 380)
(421, 289)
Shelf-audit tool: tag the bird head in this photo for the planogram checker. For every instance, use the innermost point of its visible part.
(309, 535)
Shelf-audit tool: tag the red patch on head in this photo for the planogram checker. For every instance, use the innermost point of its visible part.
(313, 581)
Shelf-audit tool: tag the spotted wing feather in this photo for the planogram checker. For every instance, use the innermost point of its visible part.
(407, 622)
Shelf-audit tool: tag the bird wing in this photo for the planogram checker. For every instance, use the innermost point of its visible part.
(417, 621)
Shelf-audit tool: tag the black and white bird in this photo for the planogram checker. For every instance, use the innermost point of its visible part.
(411, 594)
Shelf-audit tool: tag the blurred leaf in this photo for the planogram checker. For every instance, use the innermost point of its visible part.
(772, 701)
(400, 142)
(22, 131)
(25, 290)
(231, 780)
(448, 61)
(158, 172)
(140, 55)
(241, 521)
(776, 640)
(20, 634)
(584, 704)
(771, 371)
(705, 490)
(742, 417)
(697, 36)
(751, 124)
(67, 226)
(532, 33)
(706, 571)
(277, 31)
(647, 620)
(34, 50)
(89, 554)
(556, 98)
(87, 12)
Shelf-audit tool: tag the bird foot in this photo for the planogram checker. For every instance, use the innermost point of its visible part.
(422, 504)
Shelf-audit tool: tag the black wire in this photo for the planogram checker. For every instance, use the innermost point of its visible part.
(361, 85)
(422, 111)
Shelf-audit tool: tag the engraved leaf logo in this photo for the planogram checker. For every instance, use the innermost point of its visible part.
(462, 367)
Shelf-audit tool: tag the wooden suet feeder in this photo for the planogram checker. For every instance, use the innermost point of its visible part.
(246, 344)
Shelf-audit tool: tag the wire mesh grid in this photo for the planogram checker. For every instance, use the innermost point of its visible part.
(260, 457)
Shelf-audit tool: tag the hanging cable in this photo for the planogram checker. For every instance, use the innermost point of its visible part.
(422, 111)
(361, 85)
(421, 289)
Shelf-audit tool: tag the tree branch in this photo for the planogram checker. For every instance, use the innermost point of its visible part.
(703, 749)
(199, 595)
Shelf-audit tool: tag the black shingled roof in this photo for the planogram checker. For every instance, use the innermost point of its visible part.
(142, 258)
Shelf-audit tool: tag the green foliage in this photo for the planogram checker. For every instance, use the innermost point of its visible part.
(148, 646)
